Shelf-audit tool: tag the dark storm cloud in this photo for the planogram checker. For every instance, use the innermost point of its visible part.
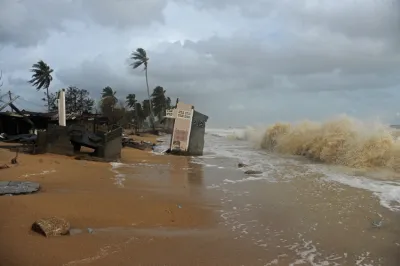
(28, 22)
(273, 59)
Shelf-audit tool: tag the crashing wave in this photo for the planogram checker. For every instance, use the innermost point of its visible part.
(342, 140)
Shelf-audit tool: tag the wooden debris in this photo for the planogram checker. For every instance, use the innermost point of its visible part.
(4, 166)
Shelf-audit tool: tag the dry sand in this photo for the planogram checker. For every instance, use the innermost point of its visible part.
(131, 224)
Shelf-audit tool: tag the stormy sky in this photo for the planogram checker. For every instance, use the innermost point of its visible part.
(240, 62)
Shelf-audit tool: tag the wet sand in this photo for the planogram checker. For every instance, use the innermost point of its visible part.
(299, 218)
(87, 195)
(171, 210)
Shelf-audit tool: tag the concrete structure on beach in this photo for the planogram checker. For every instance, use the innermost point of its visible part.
(63, 139)
(189, 129)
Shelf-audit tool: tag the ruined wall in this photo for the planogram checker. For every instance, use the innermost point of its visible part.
(182, 126)
(58, 141)
(197, 133)
(113, 144)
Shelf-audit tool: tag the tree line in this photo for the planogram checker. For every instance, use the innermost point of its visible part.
(118, 111)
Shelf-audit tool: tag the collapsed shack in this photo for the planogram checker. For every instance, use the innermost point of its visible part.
(22, 122)
(40, 133)
(188, 130)
(91, 122)
(68, 140)
(12, 124)
(25, 122)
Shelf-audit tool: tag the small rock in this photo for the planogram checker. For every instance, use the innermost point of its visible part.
(18, 187)
(52, 226)
(241, 165)
(253, 172)
(377, 224)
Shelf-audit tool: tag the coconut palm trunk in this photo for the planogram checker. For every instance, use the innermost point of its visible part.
(48, 99)
(150, 106)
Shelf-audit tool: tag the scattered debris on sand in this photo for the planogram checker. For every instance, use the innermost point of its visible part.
(14, 162)
(141, 145)
(4, 166)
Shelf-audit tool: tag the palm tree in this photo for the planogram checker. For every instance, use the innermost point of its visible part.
(159, 101)
(139, 58)
(146, 108)
(140, 116)
(131, 103)
(41, 78)
(131, 100)
(109, 93)
(108, 99)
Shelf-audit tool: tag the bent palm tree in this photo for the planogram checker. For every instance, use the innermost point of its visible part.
(109, 92)
(108, 97)
(139, 58)
(131, 103)
(131, 100)
(159, 101)
(41, 78)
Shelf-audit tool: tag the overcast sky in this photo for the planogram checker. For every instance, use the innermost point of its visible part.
(240, 62)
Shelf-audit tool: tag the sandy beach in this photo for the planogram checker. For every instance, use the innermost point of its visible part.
(88, 195)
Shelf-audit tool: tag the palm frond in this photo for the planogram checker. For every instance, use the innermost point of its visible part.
(137, 64)
(141, 52)
(41, 77)
(139, 58)
(40, 85)
(136, 56)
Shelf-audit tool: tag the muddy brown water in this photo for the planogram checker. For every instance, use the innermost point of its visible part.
(290, 216)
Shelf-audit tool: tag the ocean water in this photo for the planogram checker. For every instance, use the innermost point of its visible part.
(328, 194)
(231, 143)
(303, 211)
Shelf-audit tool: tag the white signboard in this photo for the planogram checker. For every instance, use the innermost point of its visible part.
(187, 115)
(176, 113)
(169, 113)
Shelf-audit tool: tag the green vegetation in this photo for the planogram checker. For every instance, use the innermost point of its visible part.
(41, 78)
(129, 112)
